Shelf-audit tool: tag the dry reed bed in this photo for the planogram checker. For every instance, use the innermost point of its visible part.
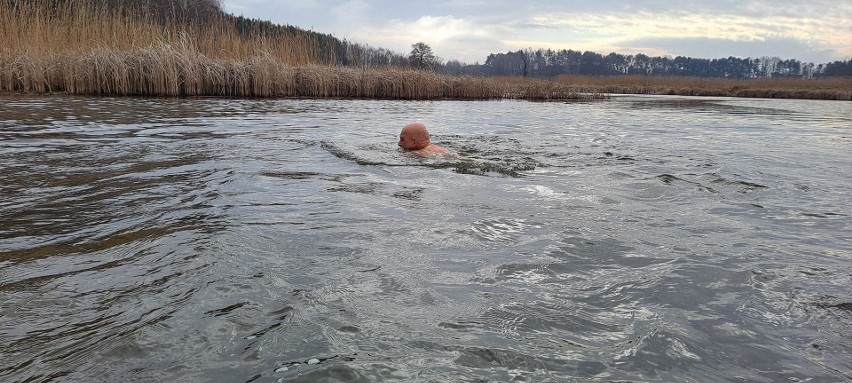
(164, 69)
(51, 27)
(834, 88)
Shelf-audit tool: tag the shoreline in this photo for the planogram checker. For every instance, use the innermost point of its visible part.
(793, 89)
(125, 74)
(164, 71)
(600, 94)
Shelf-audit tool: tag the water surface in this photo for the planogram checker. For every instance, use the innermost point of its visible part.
(637, 238)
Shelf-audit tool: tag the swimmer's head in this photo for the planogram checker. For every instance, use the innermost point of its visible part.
(414, 136)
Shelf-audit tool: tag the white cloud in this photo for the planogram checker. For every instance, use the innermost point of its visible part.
(449, 37)
(349, 15)
(470, 30)
(602, 32)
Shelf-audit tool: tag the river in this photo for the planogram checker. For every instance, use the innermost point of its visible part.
(638, 238)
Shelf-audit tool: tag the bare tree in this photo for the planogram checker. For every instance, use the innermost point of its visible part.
(422, 56)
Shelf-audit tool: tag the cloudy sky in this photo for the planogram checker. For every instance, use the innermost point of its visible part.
(817, 31)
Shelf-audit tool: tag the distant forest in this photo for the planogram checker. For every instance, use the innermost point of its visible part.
(329, 50)
(549, 63)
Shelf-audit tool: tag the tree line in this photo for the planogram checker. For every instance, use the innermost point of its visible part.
(330, 50)
(549, 63)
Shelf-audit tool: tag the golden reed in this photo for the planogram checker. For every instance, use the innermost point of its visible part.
(831, 88)
(84, 47)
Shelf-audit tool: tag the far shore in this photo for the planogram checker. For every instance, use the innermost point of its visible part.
(162, 71)
(62, 47)
(280, 81)
(832, 88)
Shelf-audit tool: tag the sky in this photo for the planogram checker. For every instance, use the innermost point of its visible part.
(818, 31)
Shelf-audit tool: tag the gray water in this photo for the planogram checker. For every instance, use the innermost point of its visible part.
(635, 238)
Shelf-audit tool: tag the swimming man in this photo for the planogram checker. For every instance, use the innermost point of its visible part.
(414, 138)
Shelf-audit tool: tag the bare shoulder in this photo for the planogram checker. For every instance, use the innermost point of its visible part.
(433, 149)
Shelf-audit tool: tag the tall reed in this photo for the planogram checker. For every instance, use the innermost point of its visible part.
(832, 88)
(91, 47)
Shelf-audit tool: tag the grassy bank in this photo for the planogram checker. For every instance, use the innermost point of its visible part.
(832, 88)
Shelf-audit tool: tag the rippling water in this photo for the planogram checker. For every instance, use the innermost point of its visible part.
(636, 238)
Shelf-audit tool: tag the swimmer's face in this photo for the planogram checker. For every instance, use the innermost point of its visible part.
(414, 137)
(408, 141)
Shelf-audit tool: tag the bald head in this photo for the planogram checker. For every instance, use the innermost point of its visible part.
(414, 136)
